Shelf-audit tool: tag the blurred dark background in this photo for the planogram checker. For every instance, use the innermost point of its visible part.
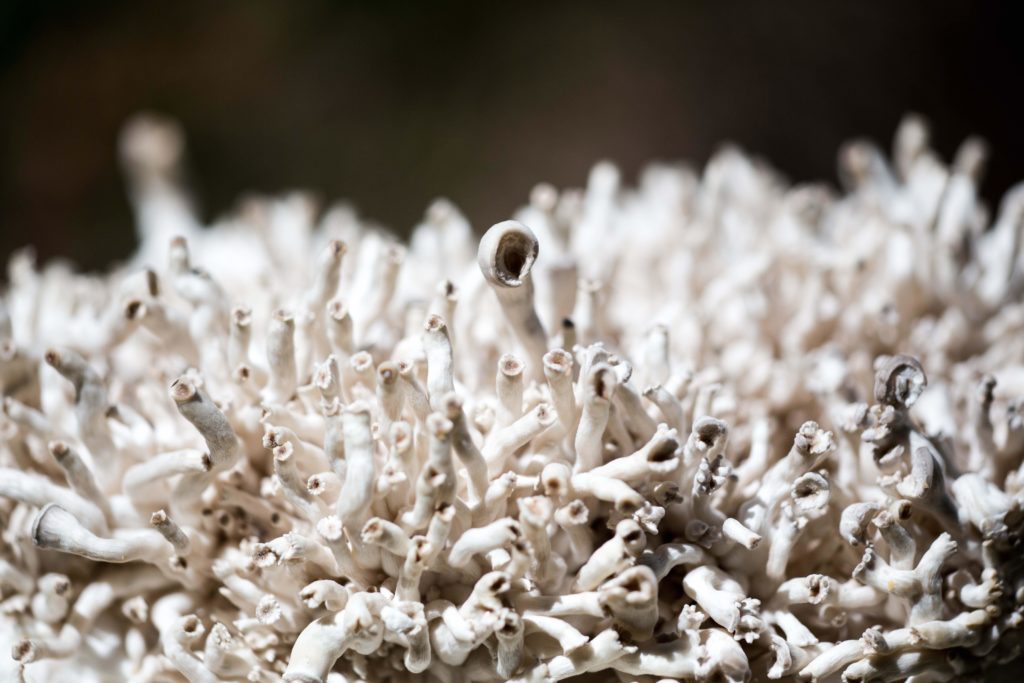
(391, 104)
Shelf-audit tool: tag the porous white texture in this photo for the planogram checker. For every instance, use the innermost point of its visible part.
(711, 427)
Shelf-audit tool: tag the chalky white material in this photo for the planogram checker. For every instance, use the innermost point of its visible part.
(711, 427)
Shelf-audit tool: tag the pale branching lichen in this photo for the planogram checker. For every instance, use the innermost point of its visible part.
(707, 428)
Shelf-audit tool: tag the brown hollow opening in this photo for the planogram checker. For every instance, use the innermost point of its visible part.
(664, 451)
(633, 536)
(708, 432)
(132, 309)
(514, 257)
(24, 651)
(152, 283)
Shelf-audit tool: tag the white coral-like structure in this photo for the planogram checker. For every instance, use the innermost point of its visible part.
(679, 431)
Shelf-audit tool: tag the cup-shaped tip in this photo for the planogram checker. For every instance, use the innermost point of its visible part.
(507, 253)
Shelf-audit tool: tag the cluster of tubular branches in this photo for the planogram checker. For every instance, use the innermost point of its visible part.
(708, 428)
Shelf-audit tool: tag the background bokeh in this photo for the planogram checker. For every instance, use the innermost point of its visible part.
(392, 103)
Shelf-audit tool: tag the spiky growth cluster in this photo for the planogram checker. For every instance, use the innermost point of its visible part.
(678, 431)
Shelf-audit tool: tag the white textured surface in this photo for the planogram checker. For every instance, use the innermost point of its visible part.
(752, 311)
